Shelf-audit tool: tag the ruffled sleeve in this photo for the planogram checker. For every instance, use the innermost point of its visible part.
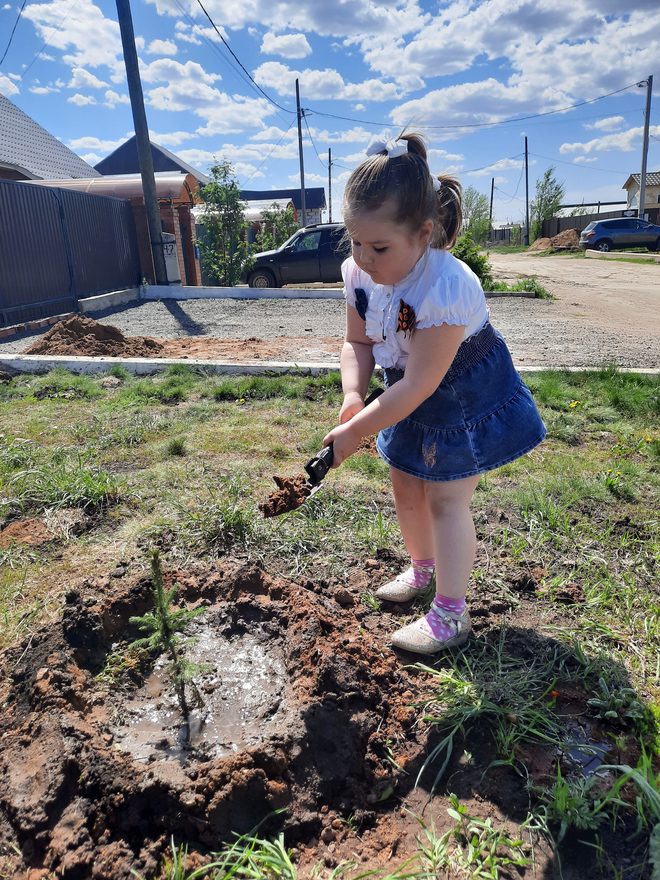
(455, 297)
(349, 272)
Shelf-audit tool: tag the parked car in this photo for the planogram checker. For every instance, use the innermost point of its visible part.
(620, 232)
(314, 253)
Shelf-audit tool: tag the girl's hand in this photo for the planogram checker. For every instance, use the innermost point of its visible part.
(345, 439)
(352, 405)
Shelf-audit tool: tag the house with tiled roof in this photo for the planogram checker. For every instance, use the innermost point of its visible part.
(651, 191)
(29, 152)
(124, 160)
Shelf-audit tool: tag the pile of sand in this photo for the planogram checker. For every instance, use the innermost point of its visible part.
(78, 335)
(567, 240)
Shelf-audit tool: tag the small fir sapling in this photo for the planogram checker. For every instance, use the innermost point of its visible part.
(162, 626)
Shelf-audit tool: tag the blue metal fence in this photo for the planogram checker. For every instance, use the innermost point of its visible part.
(59, 245)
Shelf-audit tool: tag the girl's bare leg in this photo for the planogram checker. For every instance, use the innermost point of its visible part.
(454, 538)
(414, 515)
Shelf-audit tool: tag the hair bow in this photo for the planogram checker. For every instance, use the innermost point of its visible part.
(388, 145)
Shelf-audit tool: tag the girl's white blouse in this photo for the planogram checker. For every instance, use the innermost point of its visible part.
(439, 288)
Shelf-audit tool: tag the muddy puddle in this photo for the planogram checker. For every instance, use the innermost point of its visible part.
(242, 682)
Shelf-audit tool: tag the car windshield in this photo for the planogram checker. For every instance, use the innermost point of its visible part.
(589, 226)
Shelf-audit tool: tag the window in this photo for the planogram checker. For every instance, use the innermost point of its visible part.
(307, 242)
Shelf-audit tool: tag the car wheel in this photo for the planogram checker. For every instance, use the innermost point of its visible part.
(262, 278)
(603, 245)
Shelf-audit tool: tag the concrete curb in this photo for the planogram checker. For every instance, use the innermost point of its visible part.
(34, 363)
(175, 291)
(617, 255)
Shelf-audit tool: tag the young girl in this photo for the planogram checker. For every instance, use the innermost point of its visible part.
(454, 405)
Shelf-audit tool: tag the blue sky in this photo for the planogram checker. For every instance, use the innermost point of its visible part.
(457, 70)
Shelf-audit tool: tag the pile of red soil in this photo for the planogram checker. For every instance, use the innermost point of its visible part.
(82, 336)
(28, 531)
(569, 239)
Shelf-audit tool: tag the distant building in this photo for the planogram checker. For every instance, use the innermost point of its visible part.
(263, 200)
(651, 192)
(124, 160)
(29, 152)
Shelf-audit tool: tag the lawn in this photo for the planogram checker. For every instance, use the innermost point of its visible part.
(314, 750)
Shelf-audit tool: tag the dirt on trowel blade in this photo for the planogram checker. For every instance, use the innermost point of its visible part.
(291, 493)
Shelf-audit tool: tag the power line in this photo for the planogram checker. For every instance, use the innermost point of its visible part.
(13, 31)
(578, 164)
(50, 34)
(239, 62)
(274, 147)
(325, 164)
(481, 124)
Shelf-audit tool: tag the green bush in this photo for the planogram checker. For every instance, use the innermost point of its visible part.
(466, 250)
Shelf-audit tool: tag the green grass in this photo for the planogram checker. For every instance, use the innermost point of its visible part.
(526, 285)
(182, 460)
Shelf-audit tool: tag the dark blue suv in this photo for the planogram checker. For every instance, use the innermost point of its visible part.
(620, 233)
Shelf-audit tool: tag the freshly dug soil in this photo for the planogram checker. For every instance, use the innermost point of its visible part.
(32, 532)
(316, 718)
(78, 335)
(291, 493)
(569, 239)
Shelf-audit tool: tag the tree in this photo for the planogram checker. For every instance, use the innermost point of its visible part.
(549, 196)
(223, 246)
(476, 214)
(278, 225)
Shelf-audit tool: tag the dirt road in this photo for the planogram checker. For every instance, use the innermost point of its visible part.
(607, 292)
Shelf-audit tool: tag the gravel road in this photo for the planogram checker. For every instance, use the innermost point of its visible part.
(603, 314)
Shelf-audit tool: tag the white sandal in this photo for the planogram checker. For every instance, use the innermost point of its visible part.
(418, 638)
(399, 590)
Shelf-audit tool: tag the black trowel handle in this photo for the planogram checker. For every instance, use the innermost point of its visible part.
(319, 466)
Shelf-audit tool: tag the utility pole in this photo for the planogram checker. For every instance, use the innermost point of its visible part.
(329, 184)
(300, 155)
(142, 139)
(526, 196)
(490, 213)
(645, 145)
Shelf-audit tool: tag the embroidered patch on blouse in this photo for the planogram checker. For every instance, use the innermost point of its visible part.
(361, 302)
(407, 318)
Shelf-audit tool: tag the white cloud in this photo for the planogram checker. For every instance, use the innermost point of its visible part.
(322, 85)
(194, 33)
(350, 17)
(94, 144)
(90, 158)
(500, 165)
(610, 123)
(624, 141)
(550, 55)
(172, 138)
(7, 87)
(167, 70)
(81, 100)
(286, 45)
(15, 76)
(83, 79)
(43, 90)
(203, 160)
(88, 38)
(113, 98)
(161, 47)
(6, 6)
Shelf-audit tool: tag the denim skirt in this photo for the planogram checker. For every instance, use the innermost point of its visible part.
(481, 416)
